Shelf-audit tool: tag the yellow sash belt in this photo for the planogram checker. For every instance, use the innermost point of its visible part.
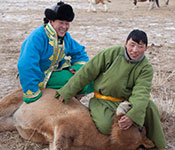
(97, 95)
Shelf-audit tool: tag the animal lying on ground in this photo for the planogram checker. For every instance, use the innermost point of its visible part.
(153, 3)
(92, 4)
(66, 126)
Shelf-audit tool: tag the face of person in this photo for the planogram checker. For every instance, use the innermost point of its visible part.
(60, 26)
(135, 50)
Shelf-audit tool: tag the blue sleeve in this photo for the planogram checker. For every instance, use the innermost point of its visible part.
(30, 73)
(75, 50)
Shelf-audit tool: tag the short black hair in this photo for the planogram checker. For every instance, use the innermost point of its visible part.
(137, 36)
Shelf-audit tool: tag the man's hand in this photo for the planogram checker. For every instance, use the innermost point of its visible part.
(125, 122)
(73, 71)
(61, 99)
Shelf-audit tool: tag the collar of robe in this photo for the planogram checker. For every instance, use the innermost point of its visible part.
(129, 59)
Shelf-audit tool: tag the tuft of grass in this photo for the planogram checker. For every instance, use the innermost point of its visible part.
(163, 93)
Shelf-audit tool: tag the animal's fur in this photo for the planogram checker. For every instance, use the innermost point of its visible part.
(123, 108)
(66, 126)
(8, 106)
(12, 102)
(92, 4)
(126, 137)
(153, 3)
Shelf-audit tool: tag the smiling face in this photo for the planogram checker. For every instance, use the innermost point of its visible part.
(135, 50)
(60, 26)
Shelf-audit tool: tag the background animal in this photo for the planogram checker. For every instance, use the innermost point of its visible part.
(67, 126)
(93, 3)
(153, 3)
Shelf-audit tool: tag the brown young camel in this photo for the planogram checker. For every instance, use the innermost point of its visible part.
(65, 127)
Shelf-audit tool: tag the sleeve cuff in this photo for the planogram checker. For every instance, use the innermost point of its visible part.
(65, 101)
(30, 100)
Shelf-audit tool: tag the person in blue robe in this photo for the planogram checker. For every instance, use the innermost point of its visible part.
(49, 55)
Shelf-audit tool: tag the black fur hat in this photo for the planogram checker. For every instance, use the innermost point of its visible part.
(61, 11)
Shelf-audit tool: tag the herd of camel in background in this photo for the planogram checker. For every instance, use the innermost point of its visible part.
(92, 3)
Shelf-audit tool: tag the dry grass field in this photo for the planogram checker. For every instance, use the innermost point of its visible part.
(96, 31)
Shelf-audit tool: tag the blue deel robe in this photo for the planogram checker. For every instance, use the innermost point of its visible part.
(40, 52)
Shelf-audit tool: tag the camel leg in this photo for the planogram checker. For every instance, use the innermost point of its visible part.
(62, 139)
(31, 134)
(50, 146)
(7, 124)
(105, 7)
(166, 2)
(92, 5)
(151, 6)
(10, 103)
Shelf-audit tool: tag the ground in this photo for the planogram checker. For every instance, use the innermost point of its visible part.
(96, 31)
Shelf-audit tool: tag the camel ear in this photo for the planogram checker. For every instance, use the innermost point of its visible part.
(148, 143)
